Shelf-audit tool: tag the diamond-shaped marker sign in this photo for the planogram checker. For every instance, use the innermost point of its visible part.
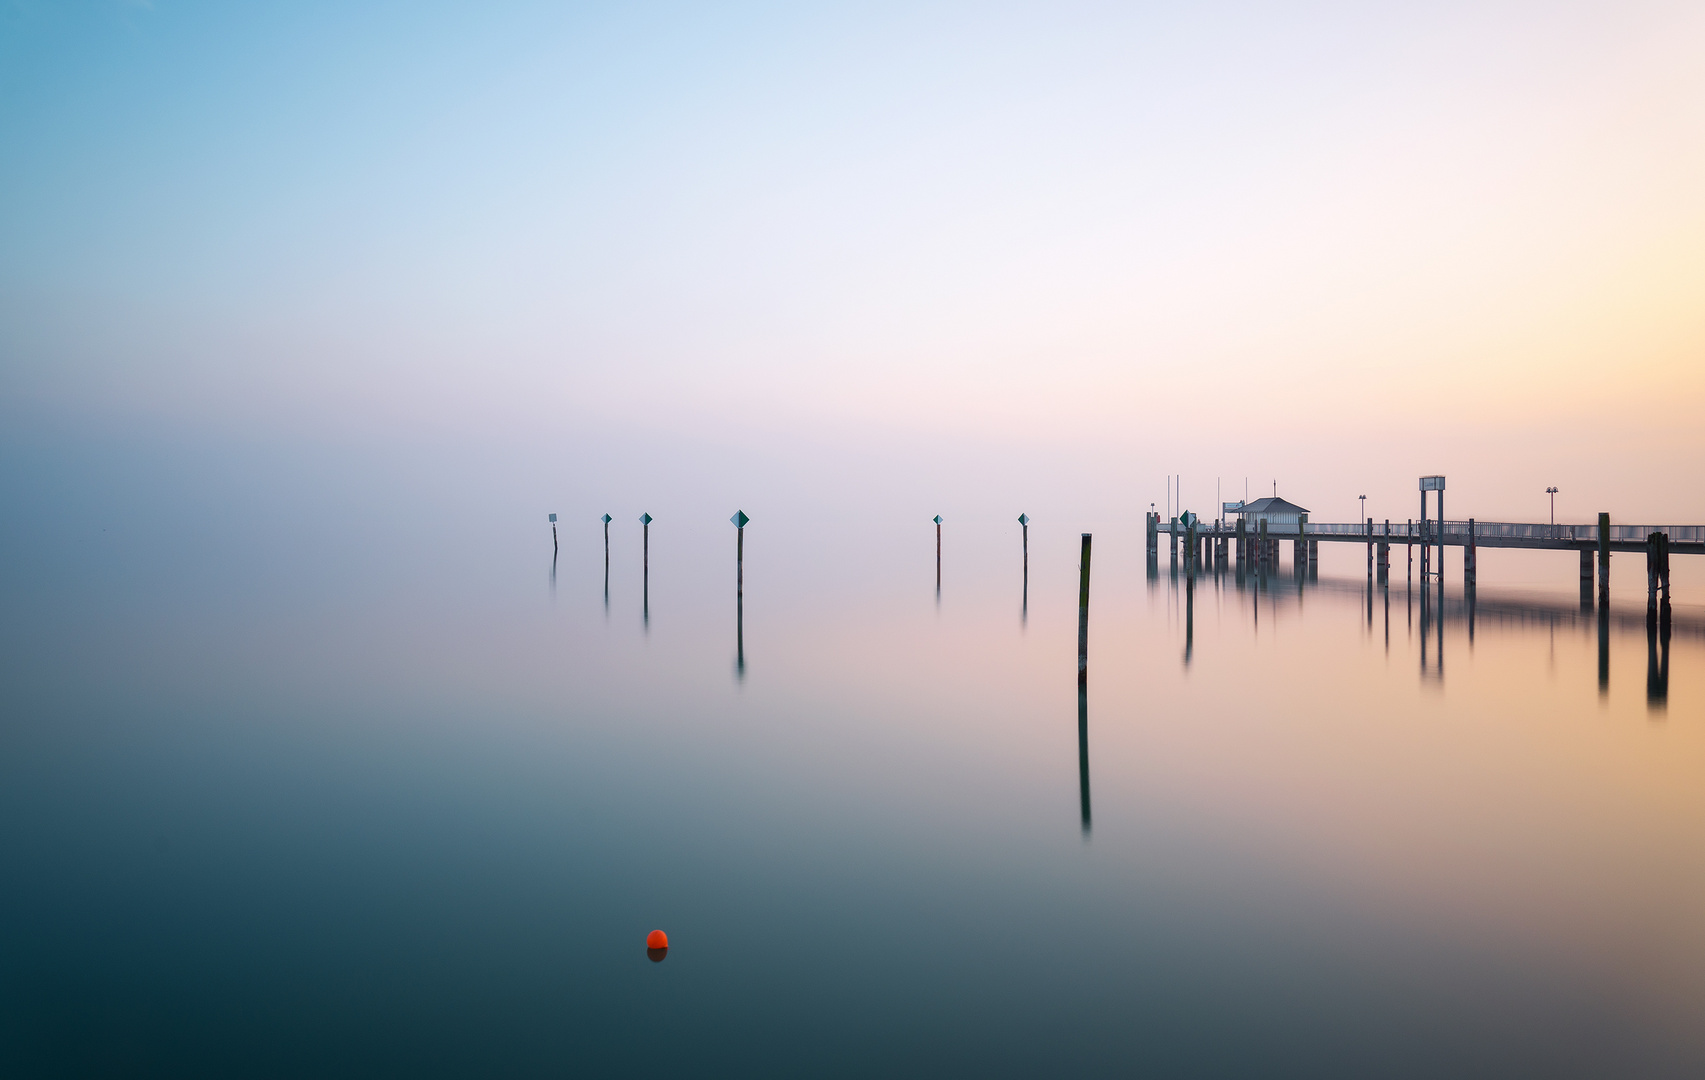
(938, 519)
(739, 519)
(553, 519)
(607, 519)
(1024, 519)
(645, 519)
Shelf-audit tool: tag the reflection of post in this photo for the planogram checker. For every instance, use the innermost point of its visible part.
(1604, 650)
(645, 523)
(1189, 617)
(740, 519)
(1083, 616)
(1657, 673)
(1083, 755)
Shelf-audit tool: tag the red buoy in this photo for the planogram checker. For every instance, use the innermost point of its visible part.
(657, 939)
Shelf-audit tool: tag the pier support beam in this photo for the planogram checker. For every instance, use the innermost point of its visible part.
(1470, 559)
(1242, 541)
(1604, 560)
(1586, 578)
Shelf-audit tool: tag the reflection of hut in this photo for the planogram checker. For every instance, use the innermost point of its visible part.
(1281, 516)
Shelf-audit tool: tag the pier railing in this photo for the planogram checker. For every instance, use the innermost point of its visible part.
(1483, 530)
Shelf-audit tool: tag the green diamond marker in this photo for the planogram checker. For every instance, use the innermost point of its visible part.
(739, 519)
(607, 519)
(938, 519)
(645, 519)
(1023, 519)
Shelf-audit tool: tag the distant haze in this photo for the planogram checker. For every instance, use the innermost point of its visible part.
(969, 258)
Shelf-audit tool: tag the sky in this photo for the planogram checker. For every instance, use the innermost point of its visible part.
(976, 255)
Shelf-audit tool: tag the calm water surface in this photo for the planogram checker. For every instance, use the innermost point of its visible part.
(311, 785)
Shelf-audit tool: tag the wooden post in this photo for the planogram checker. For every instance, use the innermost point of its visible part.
(553, 539)
(1409, 551)
(1440, 569)
(1024, 523)
(1425, 539)
(1083, 617)
(1604, 560)
(1190, 553)
(1470, 562)
(606, 520)
(1663, 586)
(1654, 542)
(938, 554)
(1242, 540)
(1172, 538)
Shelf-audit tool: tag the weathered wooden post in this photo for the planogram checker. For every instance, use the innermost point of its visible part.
(1083, 617)
(553, 540)
(1409, 551)
(938, 555)
(1586, 578)
(1265, 555)
(1369, 532)
(1151, 528)
(606, 519)
(1385, 560)
(1242, 541)
(1470, 564)
(1024, 523)
(1299, 547)
(1190, 552)
(1172, 539)
(1654, 549)
(1604, 560)
(1663, 591)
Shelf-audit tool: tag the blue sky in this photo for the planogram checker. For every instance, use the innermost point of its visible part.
(1020, 225)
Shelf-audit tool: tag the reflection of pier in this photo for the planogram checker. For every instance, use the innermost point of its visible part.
(1466, 609)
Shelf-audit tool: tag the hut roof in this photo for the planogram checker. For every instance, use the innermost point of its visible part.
(1272, 505)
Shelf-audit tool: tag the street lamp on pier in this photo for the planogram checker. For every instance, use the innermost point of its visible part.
(1551, 491)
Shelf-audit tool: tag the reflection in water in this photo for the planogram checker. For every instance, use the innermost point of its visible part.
(1657, 669)
(1083, 755)
(1604, 650)
(645, 578)
(740, 519)
(657, 955)
(1189, 616)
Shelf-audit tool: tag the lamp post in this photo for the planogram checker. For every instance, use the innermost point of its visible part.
(1364, 513)
(1551, 491)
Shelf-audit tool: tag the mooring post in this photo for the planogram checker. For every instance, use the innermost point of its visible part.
(1299, 547)
(1426, 541)
(938, 554)
(1586, 578)
(1604, 560)
(1151, 525)
(1190, 551)
(1172, 538)
(1083, 617)
(1024, 524)
(1368, 530)
(1653, 547)
(1261, 542)
(1470, 561)
(607, 519)
(553, 540)
(1663, 585)
(1242, 541)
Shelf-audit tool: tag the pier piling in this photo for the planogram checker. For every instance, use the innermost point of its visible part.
(1083, 617)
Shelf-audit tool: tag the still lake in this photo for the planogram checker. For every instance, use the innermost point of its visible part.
(349, 794)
